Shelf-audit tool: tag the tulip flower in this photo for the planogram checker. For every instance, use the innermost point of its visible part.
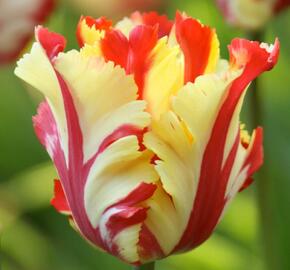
(17, 22)
(142, 124)
(251, 14)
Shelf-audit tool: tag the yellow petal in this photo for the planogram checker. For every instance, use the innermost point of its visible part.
(104, 97)
(164, 78)
(115, 173)
(36, 69)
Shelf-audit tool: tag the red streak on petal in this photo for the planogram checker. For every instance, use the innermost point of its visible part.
(121, 132)
(129, 216)
(210, 198)
(143, 192)
(74, 182)
(142, 41)
(154, 159)
(59, 200)
(46, 131)
(131, 213)
(75, 137)
(195, 41)
(149, 248)
(53, 43)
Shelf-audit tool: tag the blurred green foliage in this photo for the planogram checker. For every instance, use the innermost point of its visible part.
(254, 233)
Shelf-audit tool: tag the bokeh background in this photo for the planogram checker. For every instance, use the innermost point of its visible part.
(255, 232)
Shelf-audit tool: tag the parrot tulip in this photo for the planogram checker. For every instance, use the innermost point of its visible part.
(142, 124)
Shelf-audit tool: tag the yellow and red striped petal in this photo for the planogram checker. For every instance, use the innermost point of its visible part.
(217, 161)
(90, 30)
(196, 39)
(133, 54)
(92, 142)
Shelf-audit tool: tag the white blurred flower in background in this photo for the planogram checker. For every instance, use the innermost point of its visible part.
(17, 21)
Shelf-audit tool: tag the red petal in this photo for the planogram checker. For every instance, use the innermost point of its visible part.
(59, 200)
(133, 54)
(53, 43)
(115, 48)
(195, 41)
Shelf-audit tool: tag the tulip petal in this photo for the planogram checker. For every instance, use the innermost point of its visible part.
(59, 200)
(90, 30)
(121, 224)
(157, 91)
(246, 163)
(152, 19)
(253, 59)
(179, 145)
(110, 176)
(135, 51)
(36, 69)
(93, 83)
(46, 130)
(95, 142)
(196, 39)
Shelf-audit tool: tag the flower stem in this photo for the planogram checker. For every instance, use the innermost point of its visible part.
(262, 186)
(148, 266)
(255, 102)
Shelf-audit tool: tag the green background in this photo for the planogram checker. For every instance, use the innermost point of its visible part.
(255, 232)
